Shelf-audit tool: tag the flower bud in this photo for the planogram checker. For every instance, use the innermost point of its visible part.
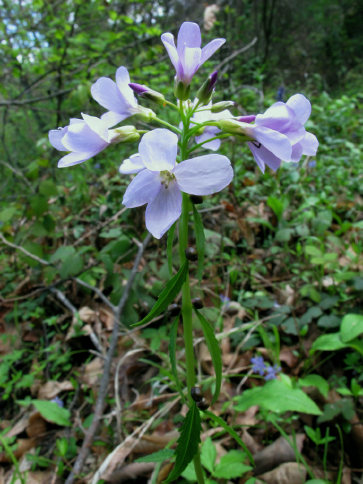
(174, 310)
(247, 119)
(231, 126)
(205, 93)
(124, 134)
(203, 404)
(145, 114)
(191, 254)
(181, 91)
(219, 107)
(197, 303)
(200, 131)
(196, 394)
(145, 93)
(196, 199)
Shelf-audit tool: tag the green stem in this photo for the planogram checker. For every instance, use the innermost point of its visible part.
(170, 126)
(207, 141)
(186, 299)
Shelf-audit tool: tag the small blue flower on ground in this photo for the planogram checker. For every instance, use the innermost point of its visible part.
(58, 401)
(312, 164)
(271, 372)
(224, 300)
(258, 365)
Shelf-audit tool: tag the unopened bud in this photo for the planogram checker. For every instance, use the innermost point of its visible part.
(145, 114)
(191, 254)
(196, 394)
(174, 310)
(181, 91)
(200, 131)
(205, 93)
(197, 303)
(125, 134)
(203, 404)
(231, 126)
(196, 199)
(247, 119)
(145, 93)
(219, 107)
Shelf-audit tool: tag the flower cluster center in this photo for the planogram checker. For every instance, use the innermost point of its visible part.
(167, 177)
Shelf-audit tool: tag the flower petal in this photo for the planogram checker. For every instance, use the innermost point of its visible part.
(204, 175)
(310, 144)
(209, 132)
(163, 210)
(263, 156)
(158, 149)
(190, 61)
(134, 164)
(210, 48)
(82, 139)
(297, 152)
(143, 189)
(301, 106)
(108, 95)
(55, 138)
(274, 141)
(189, 35)
(123, 81)
(75, 158)
(111, 118)
(282, 118)
(169, 43)
(97, 125)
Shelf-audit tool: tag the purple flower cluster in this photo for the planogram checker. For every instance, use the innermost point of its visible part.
(277, 135)
(260, 367)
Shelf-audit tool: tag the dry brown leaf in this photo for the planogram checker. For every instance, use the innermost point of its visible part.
(164, 472)
(87, 314)
(277, 453)
(93, 371)
(210, 17)
(37, 425)
(288, 473)
(250, 442)
(37, 477)
(248, 418)
(23, 446)
(287, 356)
(52, 388)
(130, 471)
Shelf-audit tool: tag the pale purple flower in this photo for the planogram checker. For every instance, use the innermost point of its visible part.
(118, 98)
(280, 134)
(160, 183)
(209, 132)
(258, 365)
(134, 164)
(188, 56)
(271, 372)
(224, 300)
(84, 138)
(58, 401)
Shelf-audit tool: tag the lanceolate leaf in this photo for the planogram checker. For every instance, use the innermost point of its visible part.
(169, 248)
(231, 432)
(188, 442)
(172, 350)
(200, 239)
(214, 351)
(168, 295)
(158, 456)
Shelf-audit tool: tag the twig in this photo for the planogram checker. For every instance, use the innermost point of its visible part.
(97, 291)
(100, 403)
(100, 226)
(13, 102)
(17, 247)
(117, 390)
(236, 53)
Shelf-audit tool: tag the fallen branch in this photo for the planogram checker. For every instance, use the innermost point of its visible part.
(100, 403)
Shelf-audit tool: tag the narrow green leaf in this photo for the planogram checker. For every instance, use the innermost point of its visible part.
(52, 412)
(158, 456)
(172, 353)
(231, 432)
(214, 351)
(200, 239)
(169, 248)
(188, 442)
(168, 295)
